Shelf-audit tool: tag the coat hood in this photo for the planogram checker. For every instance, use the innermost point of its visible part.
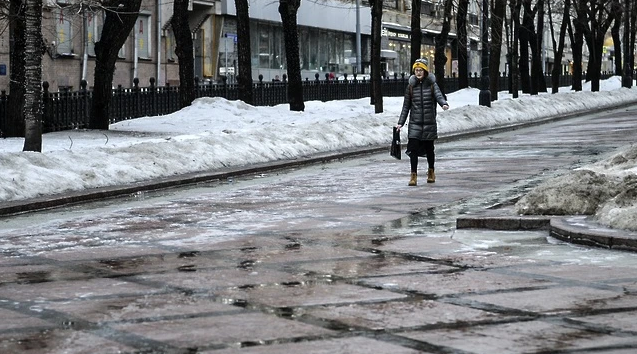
(430, 79)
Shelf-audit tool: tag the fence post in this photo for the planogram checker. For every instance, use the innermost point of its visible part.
(85, 104)
(137, 97)
(120, 114)
(261, 88)
(3, 112)
(153, 93)
(46, 107)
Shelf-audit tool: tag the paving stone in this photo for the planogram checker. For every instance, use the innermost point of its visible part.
(58, 341)
(464, 282)
(520, 337)
(623, 321)
(582, 272)
(215, 330)
(12, 320)
(38, 274)
(60, 290)
(213, 279)
(354, 345)
(135, 307)
(400, 314)
(309, 294)
(555, 299)
(372, 266)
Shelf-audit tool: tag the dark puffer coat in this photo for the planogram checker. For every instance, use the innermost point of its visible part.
(419, 103)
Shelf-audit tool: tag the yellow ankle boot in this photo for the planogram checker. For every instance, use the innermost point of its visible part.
(431, 176)
(414, 179)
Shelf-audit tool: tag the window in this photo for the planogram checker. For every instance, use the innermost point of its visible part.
(142, 35)
(93, 31)
(170, 45)
(427, 8)
(63, 28)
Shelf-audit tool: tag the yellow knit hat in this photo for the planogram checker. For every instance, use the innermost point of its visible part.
(421, 63)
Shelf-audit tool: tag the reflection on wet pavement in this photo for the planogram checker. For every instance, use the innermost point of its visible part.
(335, 258)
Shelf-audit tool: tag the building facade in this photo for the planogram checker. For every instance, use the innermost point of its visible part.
(329, 40)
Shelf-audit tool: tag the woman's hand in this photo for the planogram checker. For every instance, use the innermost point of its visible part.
(445, 107)
(398, 126)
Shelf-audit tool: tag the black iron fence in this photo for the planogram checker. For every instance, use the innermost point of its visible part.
(68, 110)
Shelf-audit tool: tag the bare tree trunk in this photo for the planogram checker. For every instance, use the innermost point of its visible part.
(245, 66)
(121, 16)
(525, 35)
(184, 50)
(440, 57)
(627, 78)
(416, 32)
(515, 72)
(558, 48)
(595, 29)
(461, 24)
(497, 22)
(33, 76)
(617, 8)
(578, 43)
(377, 91)
(288, 10)
(539, 48)
(15, 105)
(529, 26)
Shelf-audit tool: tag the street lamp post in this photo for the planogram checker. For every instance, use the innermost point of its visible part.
(484, 98)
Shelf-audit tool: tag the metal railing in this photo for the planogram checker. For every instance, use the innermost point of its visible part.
(67, 110)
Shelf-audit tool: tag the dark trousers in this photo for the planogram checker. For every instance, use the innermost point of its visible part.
(422, 148)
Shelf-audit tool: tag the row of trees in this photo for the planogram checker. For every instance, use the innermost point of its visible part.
(520, 29)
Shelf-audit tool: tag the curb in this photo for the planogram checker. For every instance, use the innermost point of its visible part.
(576, 229)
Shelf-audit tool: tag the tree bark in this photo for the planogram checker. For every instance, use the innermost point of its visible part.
(288, 10)
(538, 62)
(598, 21)
(33, 76)
(184, 50)
(461, 24)
(244, 78)
(377, 91)
(15, 114)
(440, 57)
(558, 47)
(627, 78)
(578, 44)
(497, 22)
(617, 21)
(121, 16)
(416, 32)
(515, 71)
(525, 35)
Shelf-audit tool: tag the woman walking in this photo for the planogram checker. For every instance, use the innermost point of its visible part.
(421, 97)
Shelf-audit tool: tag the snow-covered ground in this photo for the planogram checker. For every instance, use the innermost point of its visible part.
(213, 133)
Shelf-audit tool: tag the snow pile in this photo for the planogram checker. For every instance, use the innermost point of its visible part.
(606, 189)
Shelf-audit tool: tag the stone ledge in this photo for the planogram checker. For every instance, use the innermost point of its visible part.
(503, 222)
(580, 230)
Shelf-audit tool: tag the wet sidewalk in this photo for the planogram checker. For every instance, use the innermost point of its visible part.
(340, 257)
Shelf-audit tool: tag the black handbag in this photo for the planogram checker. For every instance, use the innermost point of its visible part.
(394, 150)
